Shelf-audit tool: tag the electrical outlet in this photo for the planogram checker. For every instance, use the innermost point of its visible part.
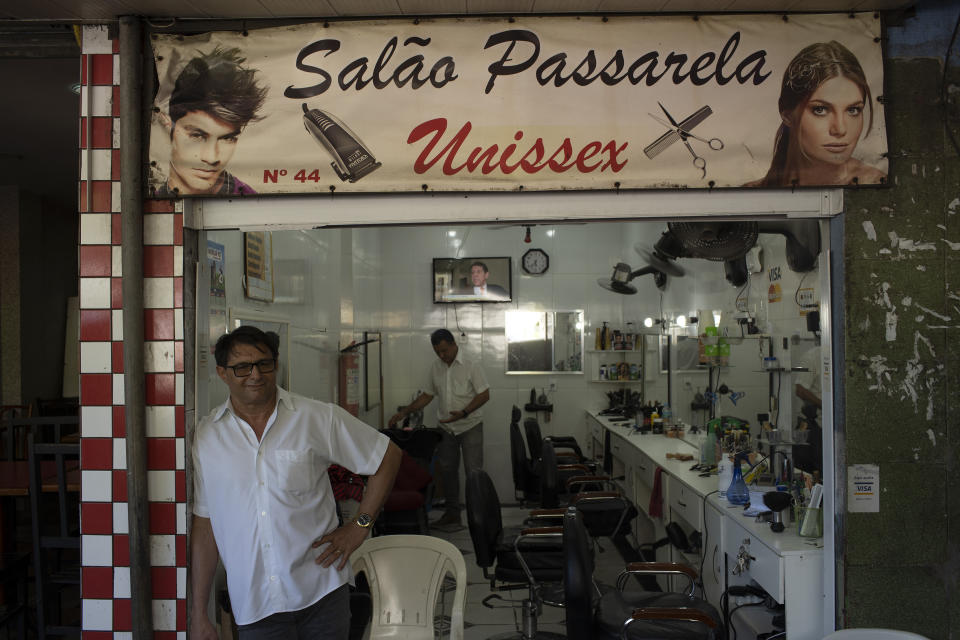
(806, 297)
(553, 385)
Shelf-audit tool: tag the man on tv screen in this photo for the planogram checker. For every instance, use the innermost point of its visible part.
(478, 286)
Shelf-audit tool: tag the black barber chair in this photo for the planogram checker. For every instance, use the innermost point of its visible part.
(606, 511)
(526, 481)
(530, 559)
(569, 451)
(628, 614)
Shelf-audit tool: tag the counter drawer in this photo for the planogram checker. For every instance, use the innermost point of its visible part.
(766, 567)
(684, 503)
(646, 468)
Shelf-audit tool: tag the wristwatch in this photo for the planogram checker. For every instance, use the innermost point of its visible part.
(363, 520)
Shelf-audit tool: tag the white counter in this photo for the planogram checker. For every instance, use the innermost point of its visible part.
(787, 566)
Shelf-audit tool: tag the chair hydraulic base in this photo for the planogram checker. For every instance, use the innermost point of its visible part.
(529, 631)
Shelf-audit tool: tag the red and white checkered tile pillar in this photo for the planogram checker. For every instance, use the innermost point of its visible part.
(105, 557)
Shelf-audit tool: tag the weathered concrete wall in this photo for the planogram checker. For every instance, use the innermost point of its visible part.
(902, 344)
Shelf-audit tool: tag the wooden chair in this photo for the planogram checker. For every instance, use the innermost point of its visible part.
(55, 528)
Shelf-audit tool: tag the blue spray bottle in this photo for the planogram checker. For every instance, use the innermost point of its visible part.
(738, 492)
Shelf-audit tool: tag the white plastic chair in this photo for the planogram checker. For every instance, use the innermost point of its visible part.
(873, 634)
(405, 573)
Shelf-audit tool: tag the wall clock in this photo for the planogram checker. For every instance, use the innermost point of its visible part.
(535, 262)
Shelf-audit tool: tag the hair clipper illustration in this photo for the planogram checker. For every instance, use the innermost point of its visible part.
(351, 158)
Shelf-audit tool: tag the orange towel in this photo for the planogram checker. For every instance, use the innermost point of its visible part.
(656, 496)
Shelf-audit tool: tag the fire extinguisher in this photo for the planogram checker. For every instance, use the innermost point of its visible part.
(349, 396)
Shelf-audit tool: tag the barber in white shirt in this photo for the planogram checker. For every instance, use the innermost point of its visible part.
(462, 389)
(263, 501)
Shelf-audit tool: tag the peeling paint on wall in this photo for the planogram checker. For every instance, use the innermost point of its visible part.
(870, 231)
(906, 244)
(916, 382)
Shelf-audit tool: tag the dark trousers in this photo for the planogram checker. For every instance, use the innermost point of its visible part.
(326, 619)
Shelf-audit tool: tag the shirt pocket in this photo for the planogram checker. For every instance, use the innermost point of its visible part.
(460, 387)
(295, 470)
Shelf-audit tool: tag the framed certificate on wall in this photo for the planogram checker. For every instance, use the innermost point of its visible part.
(258, 265)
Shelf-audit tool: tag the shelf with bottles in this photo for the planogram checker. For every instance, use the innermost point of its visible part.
(617, 372)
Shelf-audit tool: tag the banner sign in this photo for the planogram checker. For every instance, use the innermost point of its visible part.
(534, 103)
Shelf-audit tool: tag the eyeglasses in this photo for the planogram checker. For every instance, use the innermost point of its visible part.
(243, 369)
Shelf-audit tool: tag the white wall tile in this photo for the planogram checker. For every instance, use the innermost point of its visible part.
(119, 453)
(96, 422)
(121, 582)
(160, 421)
(97, 163)
(181, 518)
(181, 582)
(119, 391)
(163, 551)
(179, 446)
(116, 324)
(165, 615)
(116, 202)
(116, 261)
(94, 293)
(96, 486)
(102, 100)
(97, 615)
(121, 522)
(157, 293)
(96, 39)
(161, 486)
(158, 356)
(95, 228)
(95, 357)
(178, 324)
(178, 390)
(158, 228)
(96, 551)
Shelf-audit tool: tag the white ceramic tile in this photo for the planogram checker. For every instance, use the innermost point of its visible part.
(165, 615)
(116, 261)
(115, 131)
(122, 635)
(121, 582)
(158, 228)
(116, 203)
(178, 324)
(119, 453)
(121, 523)
(96, 39)
(178, 390)
(96, 486)
(97, 162)
(96, 551)
(181, 518)
(96, 422)
(102, 100)
(181, 582)
(179, 445)
(95, 228)
(158, 356)
(116, 69)
(163, 551)
(116, 324)
(97, 615)
(119, 392)
(178, 260)
(160, 421)
(161, 486)
(95, 357)
(157, 293)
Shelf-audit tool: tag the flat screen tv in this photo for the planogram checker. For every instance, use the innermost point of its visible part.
(472, 280)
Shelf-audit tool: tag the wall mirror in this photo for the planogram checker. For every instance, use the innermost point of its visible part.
(544, 341)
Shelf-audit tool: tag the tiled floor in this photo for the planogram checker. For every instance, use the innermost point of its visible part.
(481, 622)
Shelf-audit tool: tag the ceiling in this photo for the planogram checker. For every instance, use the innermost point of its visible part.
(105, 10)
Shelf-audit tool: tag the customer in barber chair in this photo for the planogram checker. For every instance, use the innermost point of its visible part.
(598, 612)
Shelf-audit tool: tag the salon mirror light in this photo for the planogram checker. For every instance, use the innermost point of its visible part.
(544, 342)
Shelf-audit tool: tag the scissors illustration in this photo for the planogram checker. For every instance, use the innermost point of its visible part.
(682, 131)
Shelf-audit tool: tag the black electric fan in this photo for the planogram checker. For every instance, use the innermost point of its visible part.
(730, 241)
(657, 264)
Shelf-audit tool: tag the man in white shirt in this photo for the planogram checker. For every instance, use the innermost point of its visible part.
(263, 501)
(462, 389)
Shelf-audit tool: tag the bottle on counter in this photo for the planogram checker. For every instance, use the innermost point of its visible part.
(724, 475)
(737, 492)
